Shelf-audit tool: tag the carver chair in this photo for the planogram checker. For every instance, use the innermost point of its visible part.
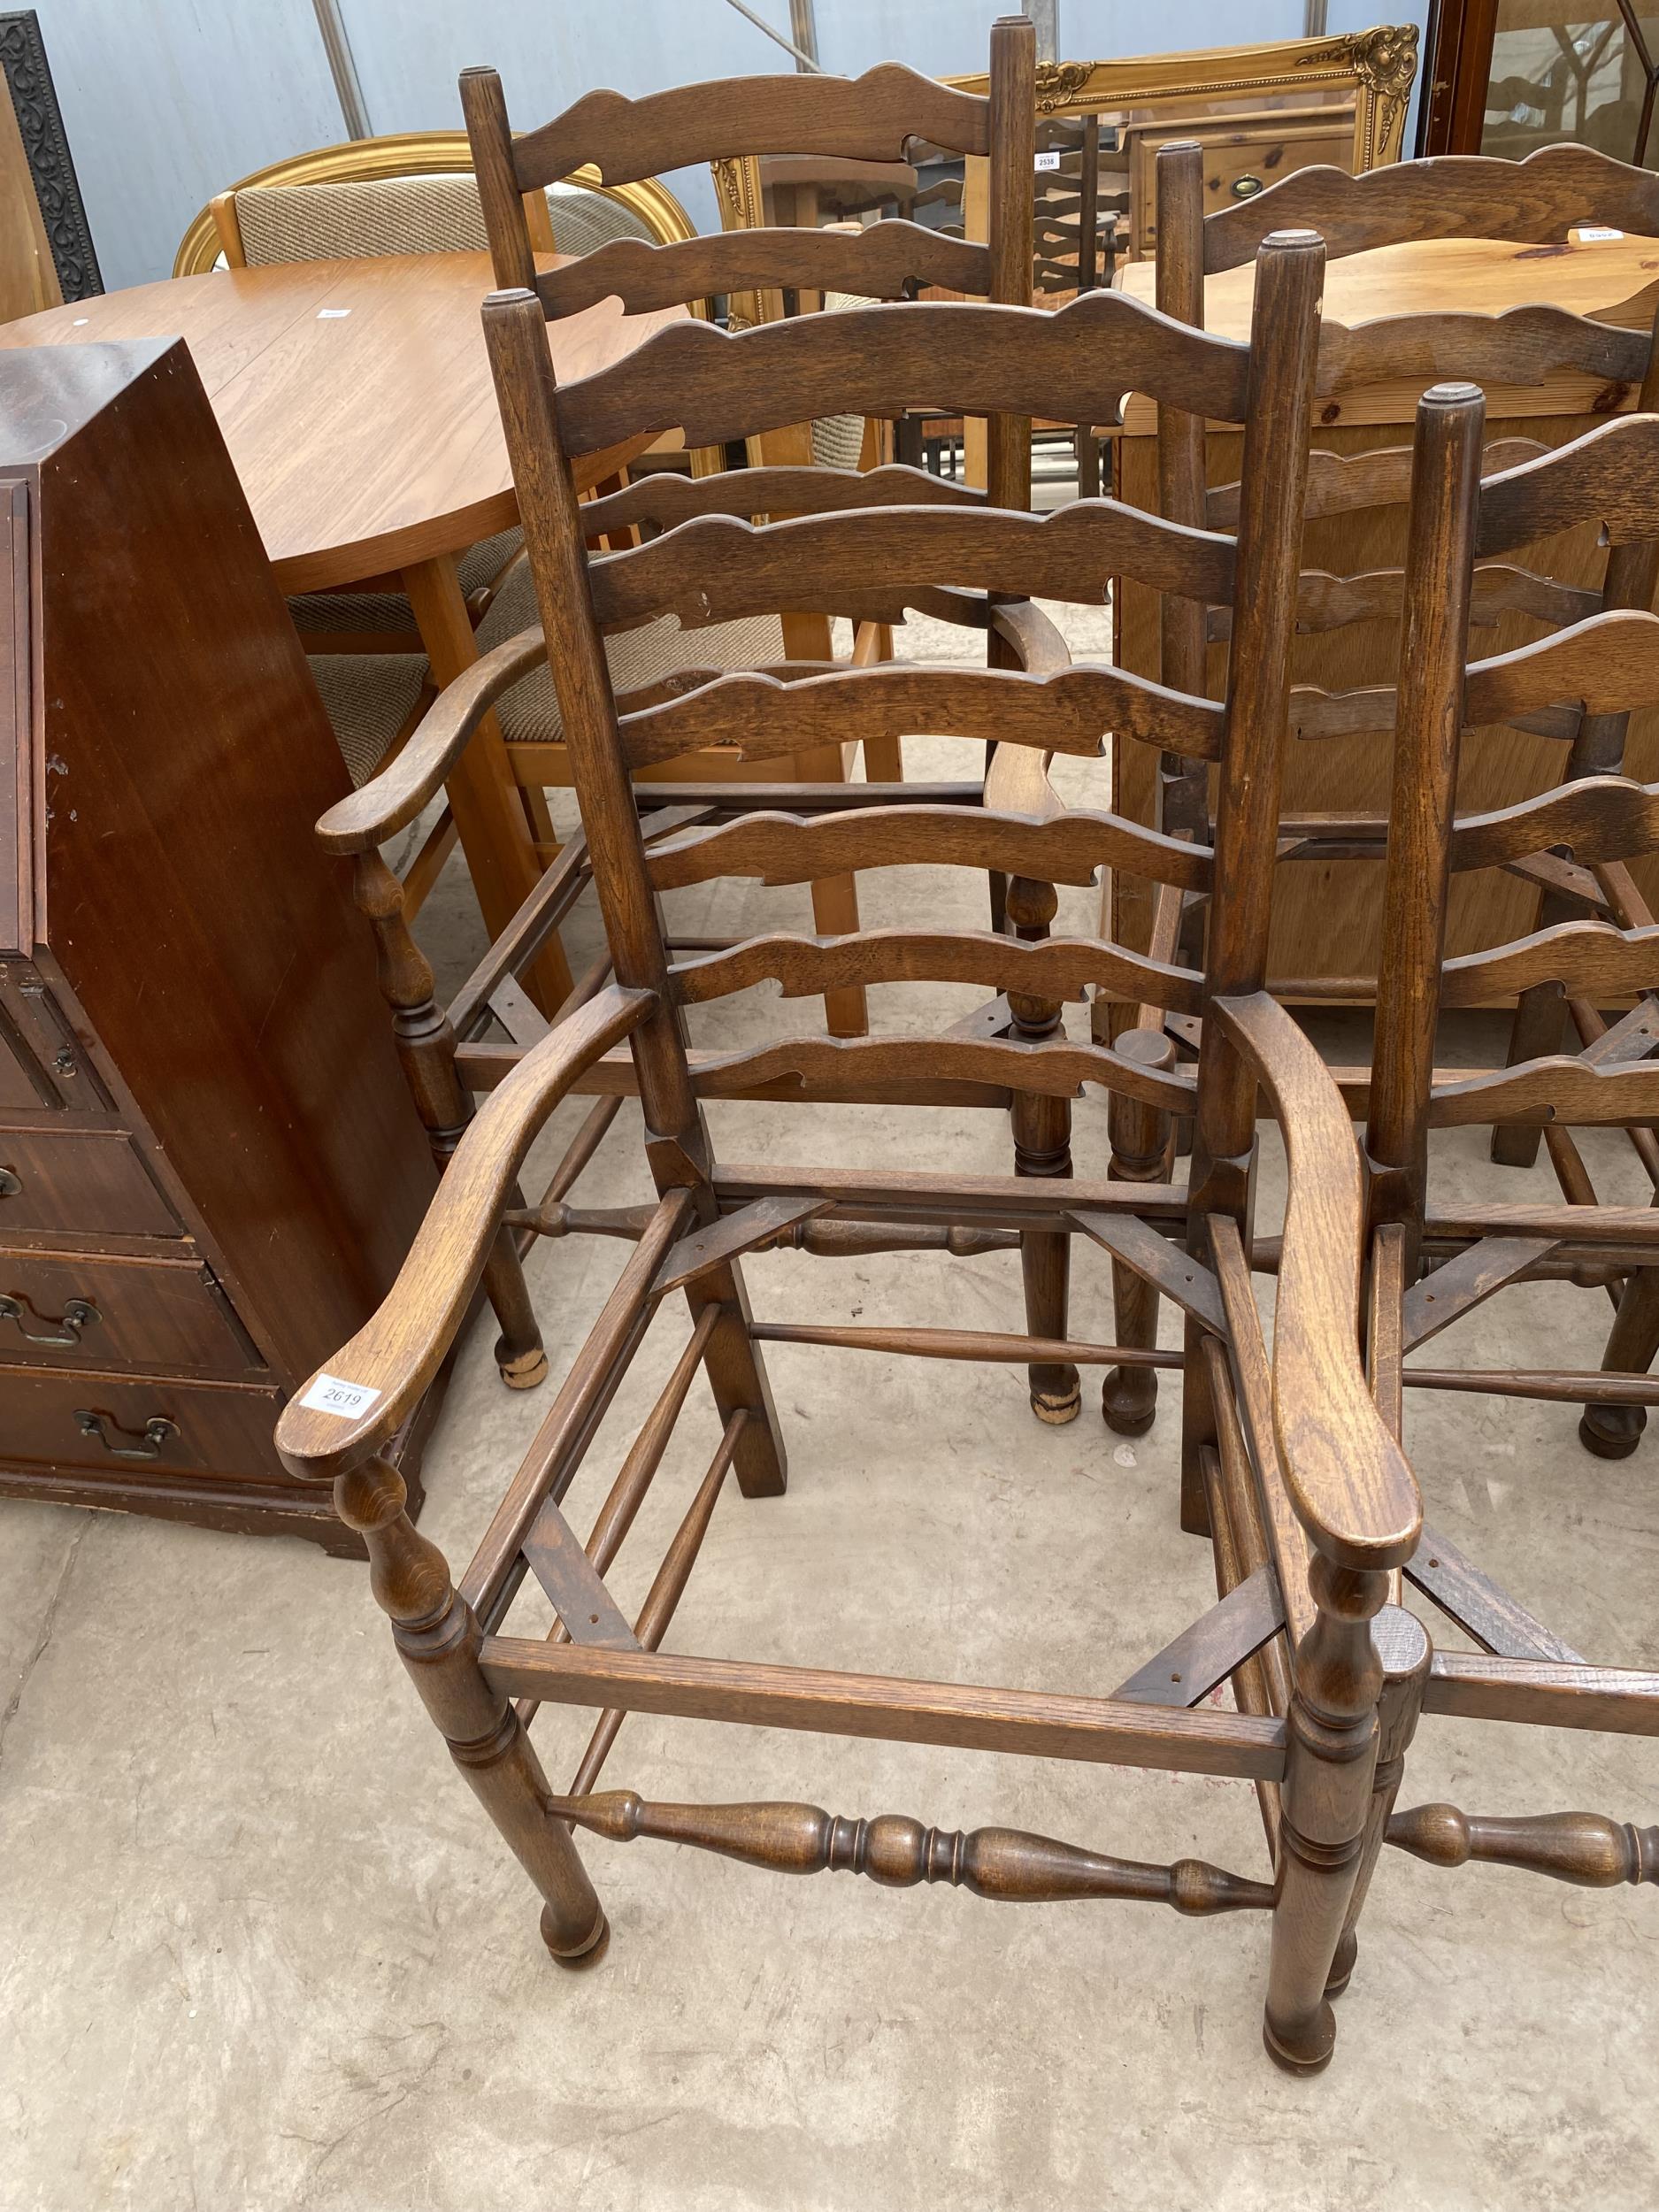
(1341, 1470)
(1427, 1266)
(748, 272)
(1477, 197)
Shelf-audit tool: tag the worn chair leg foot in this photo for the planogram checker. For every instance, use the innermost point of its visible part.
(589, 1953)
(1611, 1431)
(1312, 2052)
(1123, 1405)
(1343, 1965)
(520, 1370)
(1057, 1408)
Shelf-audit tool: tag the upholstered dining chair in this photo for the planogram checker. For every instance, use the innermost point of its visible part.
(410, 193)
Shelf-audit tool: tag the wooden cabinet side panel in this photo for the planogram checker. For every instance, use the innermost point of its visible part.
(211, 946)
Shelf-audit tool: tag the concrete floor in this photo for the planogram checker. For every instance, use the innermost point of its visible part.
(261, 1950)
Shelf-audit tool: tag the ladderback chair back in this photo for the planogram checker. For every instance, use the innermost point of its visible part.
(1298, 1427)
(1598, 948)
(1540, 200)
(872, 118)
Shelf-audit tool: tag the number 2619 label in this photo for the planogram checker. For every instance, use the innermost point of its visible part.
(329, 1394)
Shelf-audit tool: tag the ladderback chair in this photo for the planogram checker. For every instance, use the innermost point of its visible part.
(1538, 201)
(1338, 1466)
(732, 122)
(1476, 195)
(1424, 1269)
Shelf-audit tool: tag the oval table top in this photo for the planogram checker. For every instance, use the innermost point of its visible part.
(355, 398)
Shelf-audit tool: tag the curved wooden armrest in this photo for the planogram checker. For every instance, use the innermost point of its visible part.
(1041, 650)
(1349, 1481)
(390, 801)
(399, 1350)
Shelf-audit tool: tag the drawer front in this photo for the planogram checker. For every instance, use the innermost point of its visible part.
(88, 1182)
(136, 1428)
(91, 1311)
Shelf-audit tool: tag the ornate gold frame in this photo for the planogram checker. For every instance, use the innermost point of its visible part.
(413, 154)
(1381, 66)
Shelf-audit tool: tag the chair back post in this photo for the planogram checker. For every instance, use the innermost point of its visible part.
(506, 223)
(1184, 786)
(1284, 350)
(515, 331)
(1013, 123)
(1433, 649)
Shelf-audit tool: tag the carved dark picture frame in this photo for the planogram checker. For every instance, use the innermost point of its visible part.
(40, 122)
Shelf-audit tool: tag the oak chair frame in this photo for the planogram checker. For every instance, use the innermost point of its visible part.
(1423, 1271)
(729, 124)
(1328, 1452)
(1539, 200)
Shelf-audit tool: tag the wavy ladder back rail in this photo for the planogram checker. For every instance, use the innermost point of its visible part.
(1539, 201)
(751, 274)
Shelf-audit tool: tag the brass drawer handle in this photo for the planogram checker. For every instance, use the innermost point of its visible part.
(80, 1313)
(157, 1429)
(10, 1186)
(1247, 188)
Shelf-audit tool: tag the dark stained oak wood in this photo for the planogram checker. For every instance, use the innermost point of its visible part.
(1002, 1863)
(786, 848)
(716, 385)
(1521, 346)
(718, 568)
(873, 263)
(1609, 476)
(1044, 1725)
(1058, 967)
(1544, 1693)
(1586, 1849)
(1063, 714)
(1449, 195)
(870, 118)
(666, 499)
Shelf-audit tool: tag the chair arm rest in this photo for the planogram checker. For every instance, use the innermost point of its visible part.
(1350, 1482)
(399, 1350)
(390, 801)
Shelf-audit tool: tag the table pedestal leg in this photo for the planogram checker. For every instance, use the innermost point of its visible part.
(489, 814)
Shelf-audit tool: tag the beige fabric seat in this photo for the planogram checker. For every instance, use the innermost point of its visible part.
(637, 657)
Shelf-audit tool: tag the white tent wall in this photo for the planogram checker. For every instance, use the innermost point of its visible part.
(165, 102)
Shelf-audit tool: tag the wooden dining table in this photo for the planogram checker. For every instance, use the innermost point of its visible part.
(1327, 912)
(356, 400)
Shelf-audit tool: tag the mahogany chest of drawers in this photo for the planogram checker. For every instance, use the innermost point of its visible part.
(209, 1168)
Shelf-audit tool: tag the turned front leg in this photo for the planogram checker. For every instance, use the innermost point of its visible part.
(1141, 1136)
(1324, 1800)
(1403, 1648)
(426, 1049)
(439, 1640)
(1042, 1146)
